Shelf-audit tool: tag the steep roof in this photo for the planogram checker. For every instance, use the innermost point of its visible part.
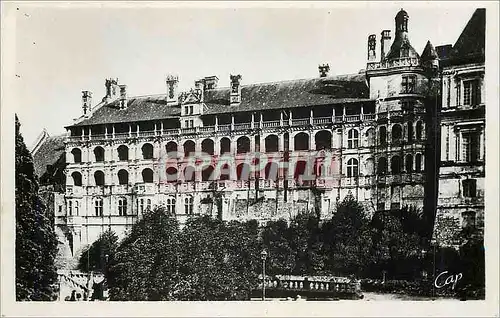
(471, 41)
(48, 152)
(285, 94)
(429, 52)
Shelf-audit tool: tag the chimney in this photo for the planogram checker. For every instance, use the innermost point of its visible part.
(200, 87)
(172, 92)
(235, 96)
(123, 96)
(385, 43)
(211, 82)
(111, 89)
(86, 102)
(372, 44)
(323, 70)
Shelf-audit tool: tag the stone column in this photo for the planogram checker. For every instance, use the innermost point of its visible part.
(252, 121)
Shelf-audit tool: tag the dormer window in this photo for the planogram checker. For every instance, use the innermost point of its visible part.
(405, 52)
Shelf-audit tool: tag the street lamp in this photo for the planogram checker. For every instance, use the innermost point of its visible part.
(263, 255)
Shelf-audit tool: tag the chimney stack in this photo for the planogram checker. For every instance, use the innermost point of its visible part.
(235, 96)
(372, 45)
(86, 102)
(172, 92)
(211, 82)
(200, 87)
(323, 70)
(385, 43)
(111, 89)
(123, 96)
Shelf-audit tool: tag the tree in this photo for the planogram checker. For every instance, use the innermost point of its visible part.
(146, 263)
(98, 255)
(276, 238)
(36, 241)
(347, 239)
(220, 260)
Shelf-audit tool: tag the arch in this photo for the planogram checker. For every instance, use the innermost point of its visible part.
(77, 155)
(172, 174)
(382, 165)
(323, 139)
(271, 171)
(123, 153)
(352, 138)
(243, 171)
(225, 173)
(147, 151)
(301, 141)
(243, 144)
(171, 149)
(409, 163)
(77, 178)
(207, 174)
(396, 132)
(189, 148)
(370, 137)
(147, 175)
(225, 145)
(99, 178)
(122, 176)
(207, 146)
(369, 167)
(419, 130)
(300, 169)
(395, 165)
(410, 131)
(418, 162)
(189, 173)
(352, 168)
(382, 135)
(272, 143)
(99, 154)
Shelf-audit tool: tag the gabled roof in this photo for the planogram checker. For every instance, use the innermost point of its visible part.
(429, 52)
(285, 94)
(48, 152)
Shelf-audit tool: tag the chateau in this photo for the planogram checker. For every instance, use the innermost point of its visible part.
(408, 130)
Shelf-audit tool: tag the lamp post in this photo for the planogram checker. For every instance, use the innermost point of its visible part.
(263, 255)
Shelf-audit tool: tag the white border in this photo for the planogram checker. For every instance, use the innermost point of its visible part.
(489, 307)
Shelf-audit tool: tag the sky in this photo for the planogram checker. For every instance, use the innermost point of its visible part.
(62, 49)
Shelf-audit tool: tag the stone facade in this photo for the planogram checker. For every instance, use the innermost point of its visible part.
(372, 135)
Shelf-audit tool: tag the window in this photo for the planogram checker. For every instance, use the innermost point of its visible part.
(410, 131)
(469, 219)
(225, 145)
(405, 52)
(99, 178)
(352, 168)
(171, 205)
(99, 154)
(98, 207)
(470, 146)
(382, 166)
(472, 92)
(123, 153)
(418, 162)
(188, 205)
(75, 208)
(122, 206)
(409, 163)
(301, 141)
(140, 205)
(408, 84)
(147, 151)
(70, 208)
(420, 129)
(469, 188)
(381, 206)
(395, 165)
(382, 132)
(147, 175)
(397, 132)
(395, 206)
(77, 178)
(77, 155)
(123, 176)
(352, 139)
(191, 110)
(243, 145)
(148, 205)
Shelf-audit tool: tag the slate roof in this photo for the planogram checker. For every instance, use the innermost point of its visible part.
(470, 45)
(285, 94)
(48, 153)
(429, 52)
